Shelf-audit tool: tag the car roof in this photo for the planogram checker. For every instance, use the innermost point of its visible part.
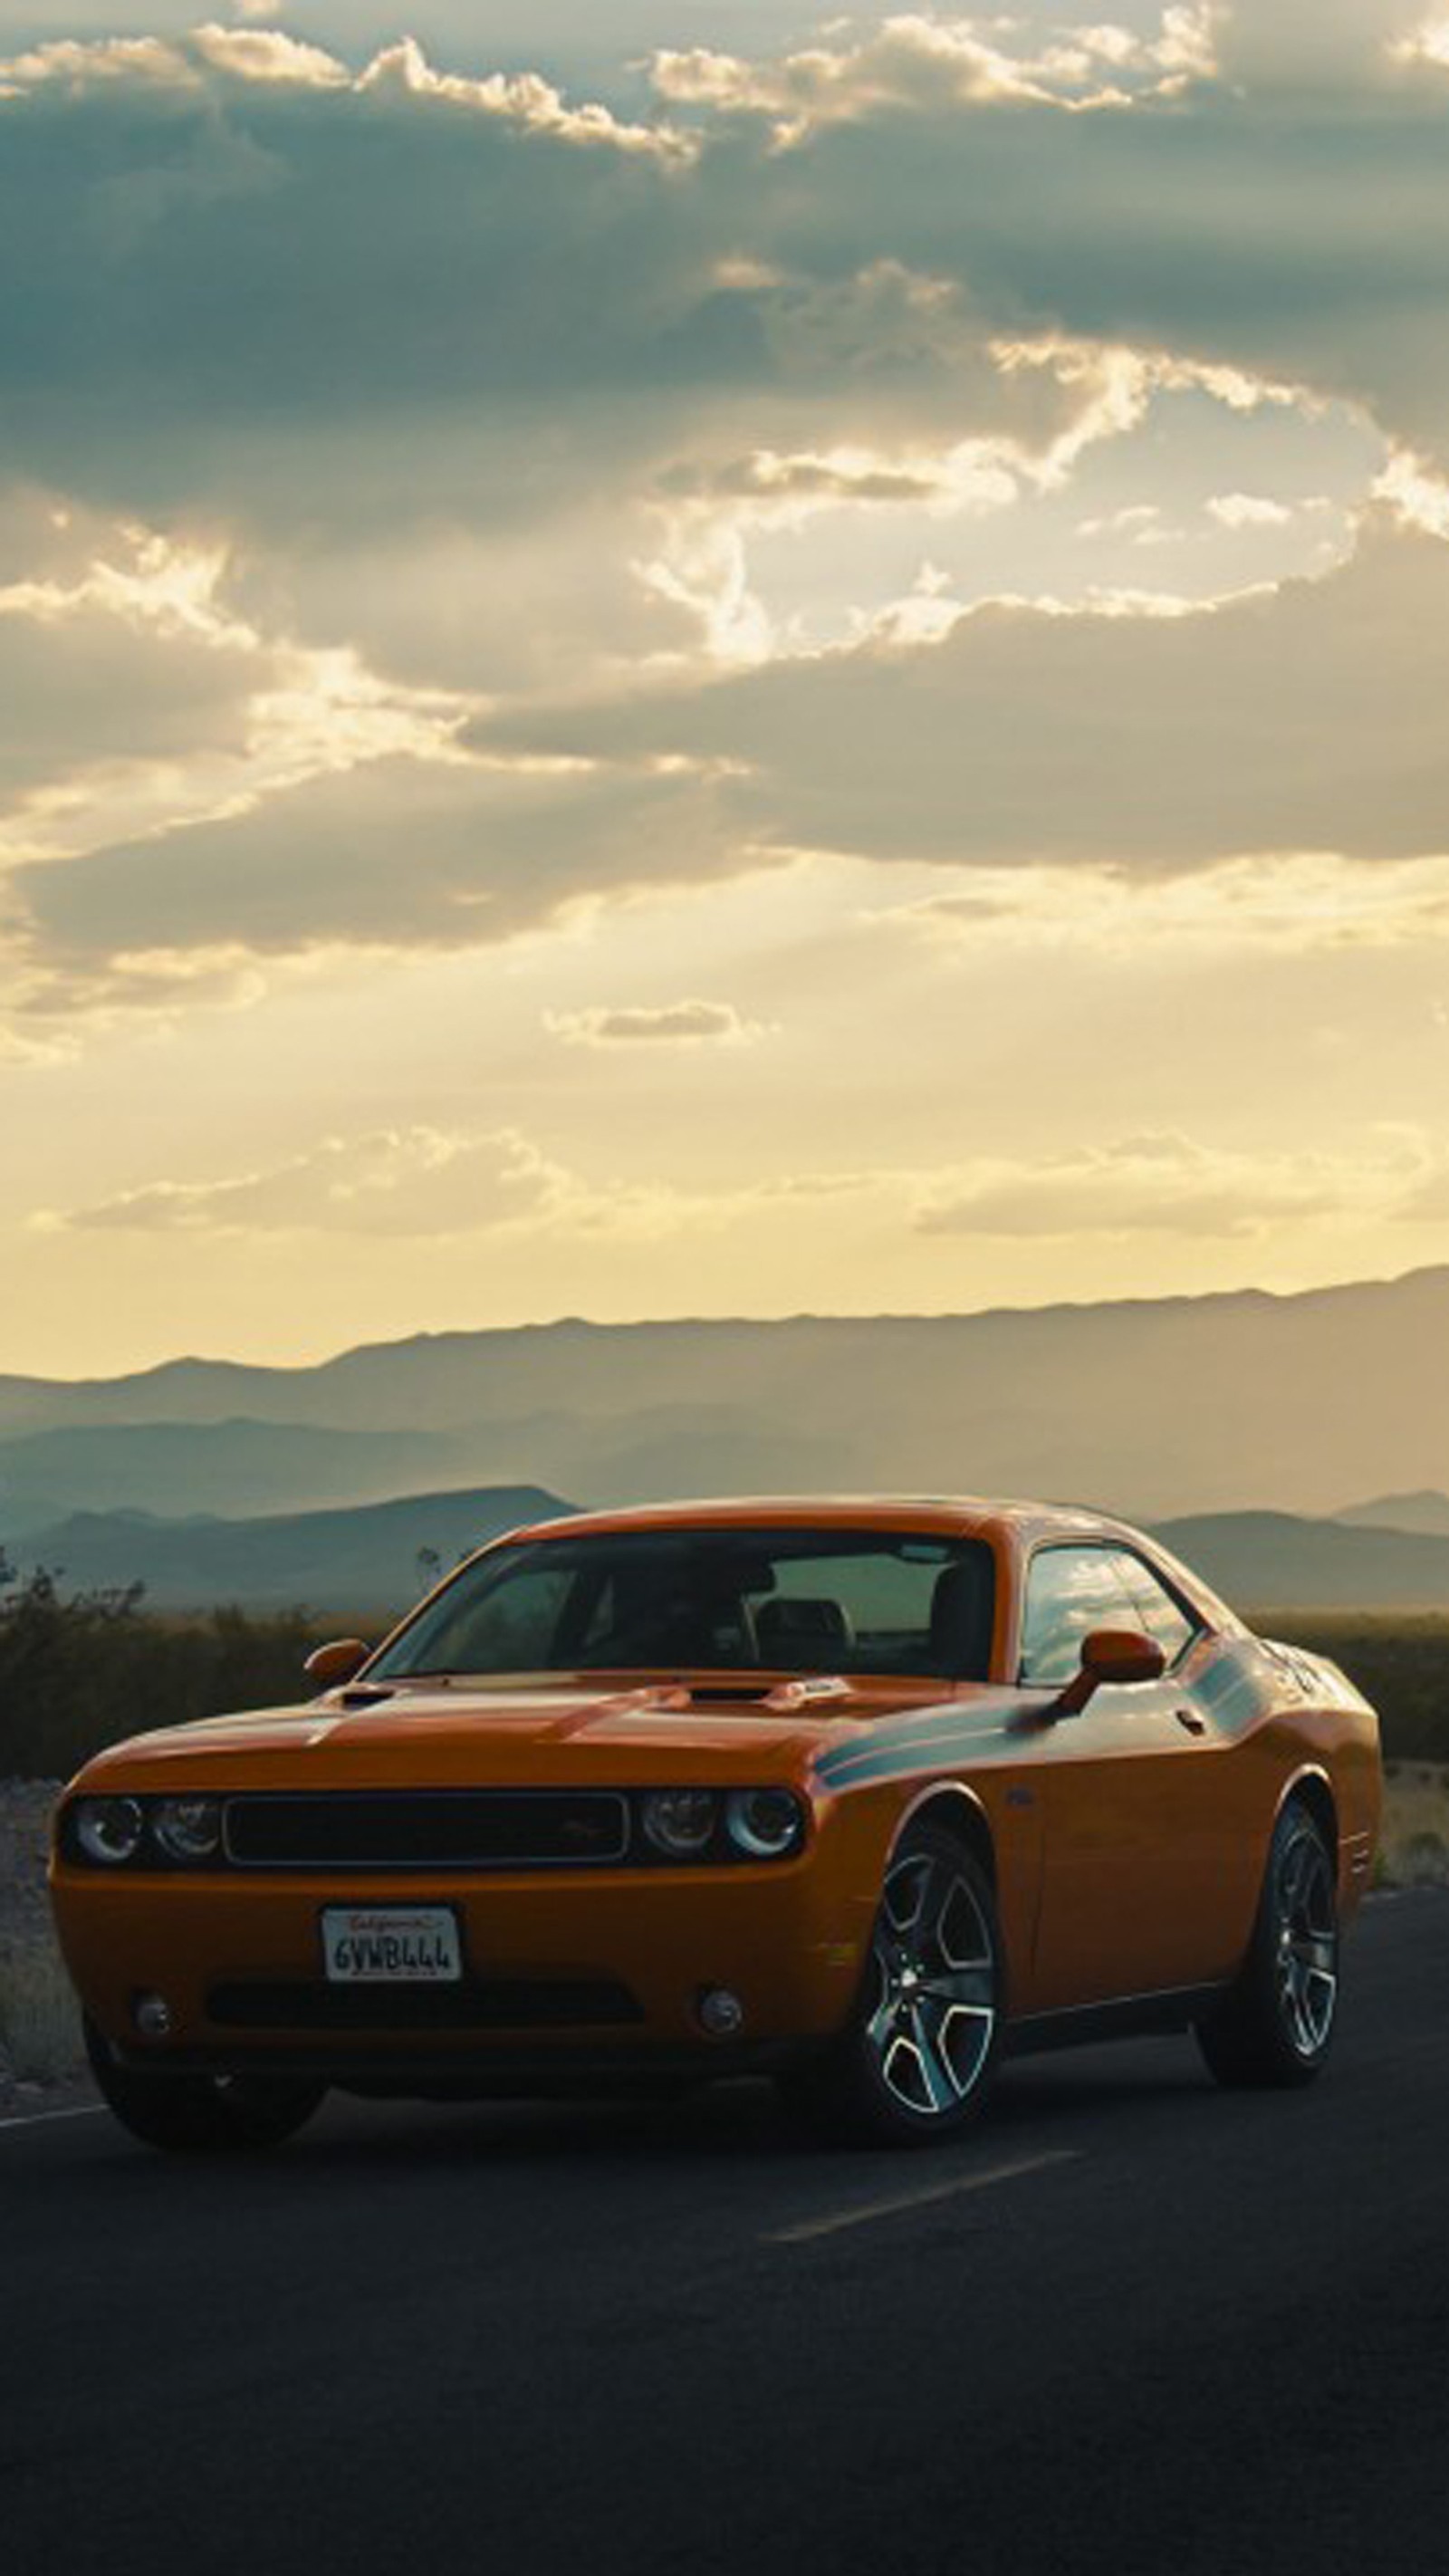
(1016, 1525)
(958, 1514)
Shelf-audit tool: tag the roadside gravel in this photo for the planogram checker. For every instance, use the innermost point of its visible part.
(40, 2052)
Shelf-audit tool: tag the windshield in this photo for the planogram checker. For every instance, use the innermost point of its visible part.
(731, 1600)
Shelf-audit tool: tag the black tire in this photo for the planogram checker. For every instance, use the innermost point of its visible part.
(190, 2114)
(1276, 2025)
(914, 2064)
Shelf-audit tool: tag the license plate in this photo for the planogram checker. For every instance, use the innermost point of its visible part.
(391, 1945)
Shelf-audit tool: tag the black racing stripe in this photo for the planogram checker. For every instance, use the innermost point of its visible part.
(883, 1761)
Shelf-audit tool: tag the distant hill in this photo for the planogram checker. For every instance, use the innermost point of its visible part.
(1274, 1560)
(1160, 1406)
(184, 1468)
(1428, 1513)
(345, 1562)
(367, 1560)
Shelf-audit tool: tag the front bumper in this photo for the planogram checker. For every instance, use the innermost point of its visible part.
(560, 1970)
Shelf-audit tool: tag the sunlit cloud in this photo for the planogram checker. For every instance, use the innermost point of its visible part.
(1300, 905)
(686, 1023)
(916, 60)
(1417, 495)
(1425, 44)
(141, 701)
(413, 1180)
(268, 57)
(1248, 510)
(427, 1181)
(267, 54)
(1169, 1184)
(1163, 734)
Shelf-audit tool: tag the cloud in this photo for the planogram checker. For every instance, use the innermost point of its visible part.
(412, 1180)
(271, 58)
(426, 1181)
(1426, 43)
(689, 1023)
(914, 61)
(437, 387)
(1168, 1184)
(1306, 49)
(1289, 730)
(428, 265)
(71, 66)
(1307, 718)
(1248, 510)
(268, 54)
(1307, 905)
(398, 853)
(121, 660)
(138, 700)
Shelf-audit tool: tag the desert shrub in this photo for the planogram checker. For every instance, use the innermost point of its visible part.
(81, 1671)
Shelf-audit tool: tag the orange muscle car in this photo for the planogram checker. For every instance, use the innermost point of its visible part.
(861, 1793)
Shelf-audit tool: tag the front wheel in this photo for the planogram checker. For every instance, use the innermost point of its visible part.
(1276, 2024)
(191, 2114)
(914, 2062)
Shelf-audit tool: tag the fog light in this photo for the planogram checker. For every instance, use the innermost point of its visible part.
(720, 2012)
(152, 2016)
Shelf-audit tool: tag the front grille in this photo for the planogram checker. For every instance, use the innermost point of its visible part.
(427, 1829)
(513, 2004)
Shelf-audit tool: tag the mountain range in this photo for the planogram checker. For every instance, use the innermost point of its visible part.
(367, 1563)
(1263, 1410)
(1165, 1406)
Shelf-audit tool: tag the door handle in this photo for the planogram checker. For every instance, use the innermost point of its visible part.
(1189, 1718)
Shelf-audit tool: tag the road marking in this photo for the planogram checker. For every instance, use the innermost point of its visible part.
(983, 2176)
(37, 2119)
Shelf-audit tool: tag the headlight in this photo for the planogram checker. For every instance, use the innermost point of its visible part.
(764, 1822)
(188, 1828)
(109, 1829)
(681, 1822)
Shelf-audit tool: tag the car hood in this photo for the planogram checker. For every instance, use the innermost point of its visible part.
(562, 1734)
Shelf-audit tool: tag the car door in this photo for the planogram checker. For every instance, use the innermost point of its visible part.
(1134, 1826)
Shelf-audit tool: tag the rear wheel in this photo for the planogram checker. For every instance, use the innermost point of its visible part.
(190, 2114)
(916, 2059)
(1276, 2025)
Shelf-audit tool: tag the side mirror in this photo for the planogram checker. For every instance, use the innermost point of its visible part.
(1121, 1655)
(336, 1662)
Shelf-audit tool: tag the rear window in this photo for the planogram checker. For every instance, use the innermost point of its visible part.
(728, 1600)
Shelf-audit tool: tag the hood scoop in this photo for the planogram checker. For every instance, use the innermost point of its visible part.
(807, 1690)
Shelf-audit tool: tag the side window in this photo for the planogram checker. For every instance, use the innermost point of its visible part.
(1161, 1616)
(1069, 1591)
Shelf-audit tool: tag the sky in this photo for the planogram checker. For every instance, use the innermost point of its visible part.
(689, 659)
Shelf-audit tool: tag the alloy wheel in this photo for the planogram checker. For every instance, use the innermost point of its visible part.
(1306, 1958)
(934, 1999)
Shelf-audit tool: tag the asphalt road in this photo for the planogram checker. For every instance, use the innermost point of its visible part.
(1131, 2324)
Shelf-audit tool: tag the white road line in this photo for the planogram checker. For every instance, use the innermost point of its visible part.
(978, 2180)
(37, 2119)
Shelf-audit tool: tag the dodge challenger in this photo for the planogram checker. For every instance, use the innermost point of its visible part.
(863, 1794)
